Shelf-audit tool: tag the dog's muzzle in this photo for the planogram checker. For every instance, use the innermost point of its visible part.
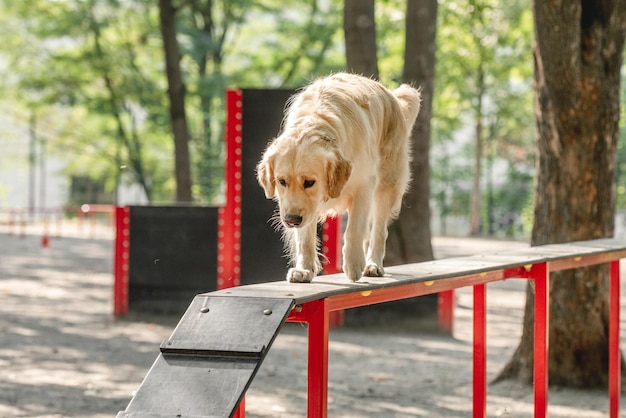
(292, 220)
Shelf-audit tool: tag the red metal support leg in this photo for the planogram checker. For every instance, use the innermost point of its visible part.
(541, 276)
(229, 216)
(479, 377)
(614, 351)
(121, 261)
(241, 410)
(445, 311)
(331, 249)
(318, 361)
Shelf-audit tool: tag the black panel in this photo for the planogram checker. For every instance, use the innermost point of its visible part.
(262, 257)
(172, 257)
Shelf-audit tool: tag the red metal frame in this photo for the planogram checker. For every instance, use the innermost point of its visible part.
(229, 216)
(316, 315)
(445, 311)
(120, 266)
(331, 249)
(614, 351)
(331, 245)
(479, 371)
(542, 314)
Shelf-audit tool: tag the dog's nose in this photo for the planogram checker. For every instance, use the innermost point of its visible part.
(292, 220)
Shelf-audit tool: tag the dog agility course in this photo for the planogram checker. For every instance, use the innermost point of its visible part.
(219, 344)
(206, 366)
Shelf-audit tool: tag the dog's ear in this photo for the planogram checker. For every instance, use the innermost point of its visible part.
(265, 173)
(338, 174)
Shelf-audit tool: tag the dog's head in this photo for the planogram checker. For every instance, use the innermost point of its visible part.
(301, 176)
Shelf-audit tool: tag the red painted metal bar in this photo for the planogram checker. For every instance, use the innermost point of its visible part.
(331, 249)
(479, 378)
(241, 409)
(370, 297)
(582, 261)
(542, 312)
(229, 216)
(331, 245)
(445, 311)
(614, 351)
(318, 362)
(120, 267)
(316, 314)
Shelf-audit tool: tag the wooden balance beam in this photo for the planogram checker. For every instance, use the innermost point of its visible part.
(209, 361)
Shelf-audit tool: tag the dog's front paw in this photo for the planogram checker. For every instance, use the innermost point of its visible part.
(354, 272)
(295, 275)
(374, 270)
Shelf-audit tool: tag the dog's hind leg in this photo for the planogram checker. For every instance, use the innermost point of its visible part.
(356, 235)
(387, 201)
(307, 264)
(378, 238)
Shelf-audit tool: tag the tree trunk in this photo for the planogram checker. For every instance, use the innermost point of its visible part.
(410, 236)
(176, 94)
(577, 83)
(360, 36)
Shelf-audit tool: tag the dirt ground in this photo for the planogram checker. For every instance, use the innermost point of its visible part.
(62, 354)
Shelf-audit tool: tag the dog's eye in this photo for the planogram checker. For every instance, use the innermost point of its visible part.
(308, 183)
(283, 182)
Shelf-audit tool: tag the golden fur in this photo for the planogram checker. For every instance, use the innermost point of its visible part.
(344, 146)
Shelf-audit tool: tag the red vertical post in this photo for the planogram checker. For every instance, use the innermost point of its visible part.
(541, 277)
(229, 216)
(317, 394)
(241, 409)
(121, 260)
(445, 311)
(479, 378)
(331, 249)
(331, 245)
(45, 237)
(614, 352)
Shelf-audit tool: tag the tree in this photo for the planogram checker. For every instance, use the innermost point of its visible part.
(94, 60)
(578, 57)
(483, 107)
(176, 93)
(410, 236)
(205, 27)
(359, 28)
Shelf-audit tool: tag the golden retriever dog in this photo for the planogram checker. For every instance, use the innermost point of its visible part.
(344, 146)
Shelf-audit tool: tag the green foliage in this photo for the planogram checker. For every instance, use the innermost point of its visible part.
(100, 61)
(484, 72)
(253, 44)
(92, 70)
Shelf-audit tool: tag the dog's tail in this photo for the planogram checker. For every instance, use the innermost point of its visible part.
(410, 101)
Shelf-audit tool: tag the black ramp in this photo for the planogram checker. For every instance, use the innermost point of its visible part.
(209, 361)
(262, 257)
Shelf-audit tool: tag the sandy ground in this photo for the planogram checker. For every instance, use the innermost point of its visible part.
(62, 354)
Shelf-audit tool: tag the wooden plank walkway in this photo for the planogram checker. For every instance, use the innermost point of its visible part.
(438, 270)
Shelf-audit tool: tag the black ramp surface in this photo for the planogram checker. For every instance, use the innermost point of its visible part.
(209, 361)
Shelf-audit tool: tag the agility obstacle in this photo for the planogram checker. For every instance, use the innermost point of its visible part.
(208, 363)
(164, 255)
